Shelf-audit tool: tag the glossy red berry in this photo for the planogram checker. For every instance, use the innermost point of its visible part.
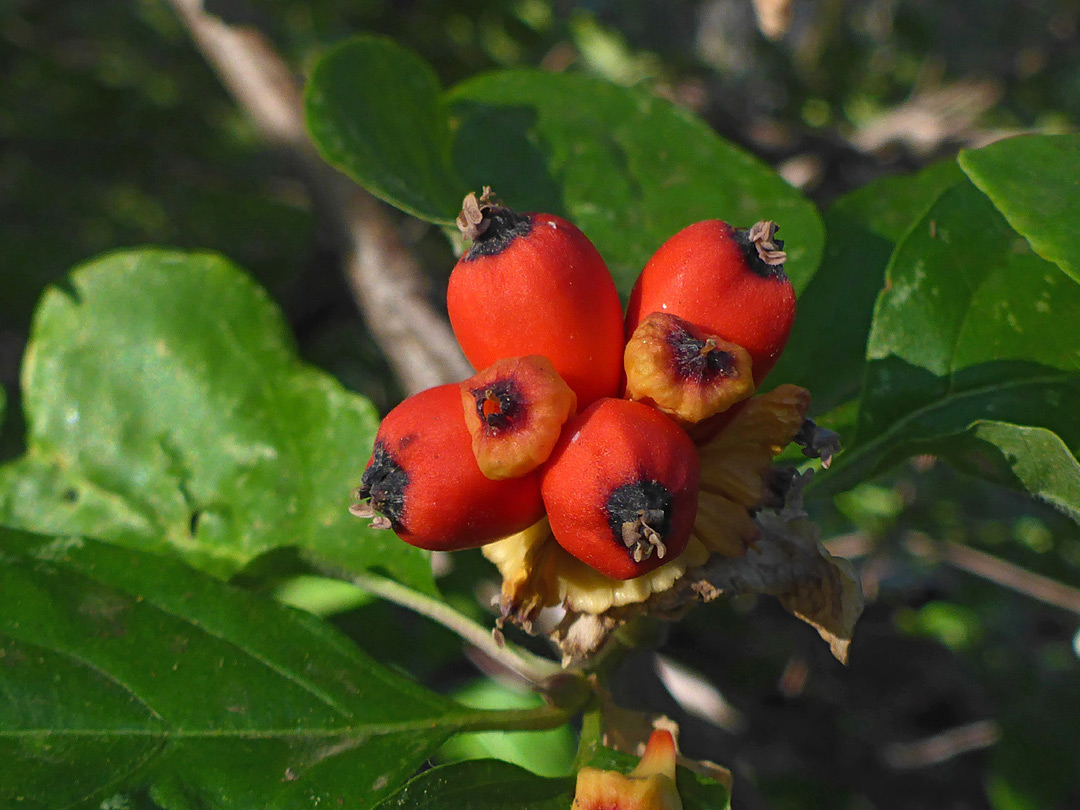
(621, 488)
(727, 281)
(535, 284)
(423, 482)
(515, 410)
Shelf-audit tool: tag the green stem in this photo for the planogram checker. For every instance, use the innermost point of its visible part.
(637, 633)
(539, 719)
(592, 736)
(533, 668)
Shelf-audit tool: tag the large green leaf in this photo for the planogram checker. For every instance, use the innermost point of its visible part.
(827, 353)
(1034, 180)
(628, 168)
(1030, 458)
(120, 669)
(166, 408)
(973, 334)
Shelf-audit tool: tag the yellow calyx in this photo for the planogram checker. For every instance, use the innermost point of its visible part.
(650, 786)
(734, 464)
(538, 573)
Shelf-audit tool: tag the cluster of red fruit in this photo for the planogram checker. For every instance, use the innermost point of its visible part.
(580, 413)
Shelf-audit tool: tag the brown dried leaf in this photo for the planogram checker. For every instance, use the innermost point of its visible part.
(734, 462)
(789, 562)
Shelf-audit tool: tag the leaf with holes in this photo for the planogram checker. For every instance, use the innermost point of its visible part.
(167, 409)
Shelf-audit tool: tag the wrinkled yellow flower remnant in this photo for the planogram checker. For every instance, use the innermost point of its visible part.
(650, 786)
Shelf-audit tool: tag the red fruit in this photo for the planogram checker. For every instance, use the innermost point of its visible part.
(534, 284)
(422, 480)
(726, 281)
(514, 412)
(621, 488)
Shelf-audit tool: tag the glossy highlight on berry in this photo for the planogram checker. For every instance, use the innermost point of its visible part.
(621, 488)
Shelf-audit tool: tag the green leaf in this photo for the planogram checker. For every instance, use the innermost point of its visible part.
(1029, 458)
(167, 409)
(827, 354)
(1034, 180)
(701, 793)
(975, 340)
(374, 109)
(628, 168)
(483, 784)
(121, 668)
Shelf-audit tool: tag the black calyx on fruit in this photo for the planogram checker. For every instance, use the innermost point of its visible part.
(764, 253)
(639, 514)
(701, 361)
(490, 227)
(381, 495)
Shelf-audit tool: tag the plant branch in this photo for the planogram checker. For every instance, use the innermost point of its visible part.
(979, 563)
(939, 748)
(1004, 573)
(384, 277)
